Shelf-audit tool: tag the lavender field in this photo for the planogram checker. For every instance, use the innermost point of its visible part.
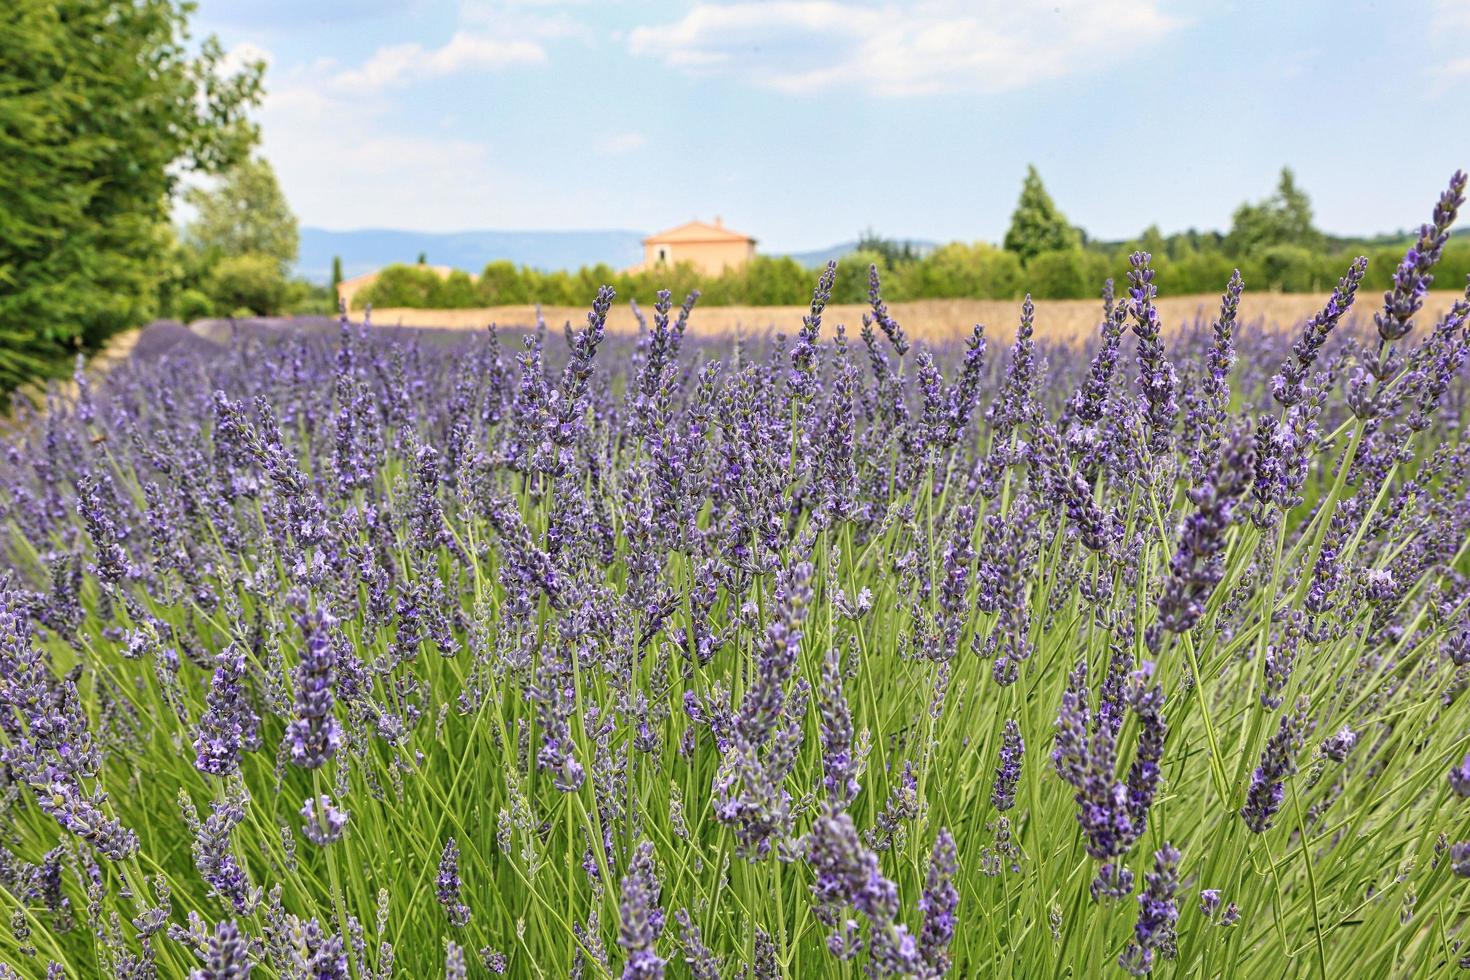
(368, 653)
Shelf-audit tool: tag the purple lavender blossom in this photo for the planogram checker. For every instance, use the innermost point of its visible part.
(226, 954)
(1112, 814)
(494, 960)
(801, 380)
(97, 507)
(1158, 914)
(1286, 386)
(1336, 747)
(1412, 279)
(701, 963)
(1460, 859)
(1209, 902)
(319, 955)
(847, 873)
(1157, 380)
(1087, 402)
(880, 316)
(1197, 563)
(323, 823)
(229, 725)
(1113, 881)
(1008, 772)
(641, 919)
(447, 886)
(454, 963)
(214, 850)
(315, 735)
(1460, 778)
(1220, 361)
(938, 902)
(748, 789)
(49, 745)
(839, 763)
(1278, 763)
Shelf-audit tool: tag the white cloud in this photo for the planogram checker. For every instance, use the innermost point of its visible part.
(537, 19)
(1452, 16)
(618, 144)
(1457, 68)
(396, 64)
(803, 46)
(342, 167)
(241, 55)
(1449, 26)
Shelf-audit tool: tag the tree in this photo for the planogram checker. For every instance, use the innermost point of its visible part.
(1037, 225)
(978, 270)
(249, 283)
(404, 285)
(1059, 275)
(895, 253)
(1285, 218)
(245, 214)
(336, 276)
(101, 108)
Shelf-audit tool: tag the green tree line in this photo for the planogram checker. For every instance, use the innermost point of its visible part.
(1273, 242)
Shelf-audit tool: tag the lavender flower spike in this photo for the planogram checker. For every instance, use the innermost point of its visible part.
(315, 735)
(938, 903)
(448, 887)
(1278, 763)
(1158, 914)
(323, 823)
(226, 955)
(229, 724)
(641, 918)
(1412, 279)
(1156, 377)
(1008, 772)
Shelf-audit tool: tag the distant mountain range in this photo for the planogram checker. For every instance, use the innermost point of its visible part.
(372, 248)
(822, 256)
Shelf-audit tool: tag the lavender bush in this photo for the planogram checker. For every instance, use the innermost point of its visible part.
(379, 654)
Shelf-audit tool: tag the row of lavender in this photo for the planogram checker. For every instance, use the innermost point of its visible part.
(384, 653)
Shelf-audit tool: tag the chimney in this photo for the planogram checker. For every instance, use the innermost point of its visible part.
(719, 222)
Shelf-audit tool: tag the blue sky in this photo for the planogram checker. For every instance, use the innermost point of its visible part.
(803, 122)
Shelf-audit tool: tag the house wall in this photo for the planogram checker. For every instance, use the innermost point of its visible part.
(711, 258)
(347, 289)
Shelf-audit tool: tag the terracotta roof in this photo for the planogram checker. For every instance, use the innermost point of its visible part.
(698, 231)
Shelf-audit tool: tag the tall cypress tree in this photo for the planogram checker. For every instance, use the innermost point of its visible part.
(1037, 225)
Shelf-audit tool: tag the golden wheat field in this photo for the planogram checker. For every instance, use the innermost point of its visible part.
(930, 319)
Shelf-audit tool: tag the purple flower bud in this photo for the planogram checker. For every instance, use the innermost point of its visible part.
(1008, 772)
(1158, 914)
(1460, 858)
(315, 735)
(323, 823)
(1209, 902)
(229, 724)
(938, 902)
(1278, 763)
(448, 886)
(1336, 747)
(1460, 778)
(226, 955)
(641, 919)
